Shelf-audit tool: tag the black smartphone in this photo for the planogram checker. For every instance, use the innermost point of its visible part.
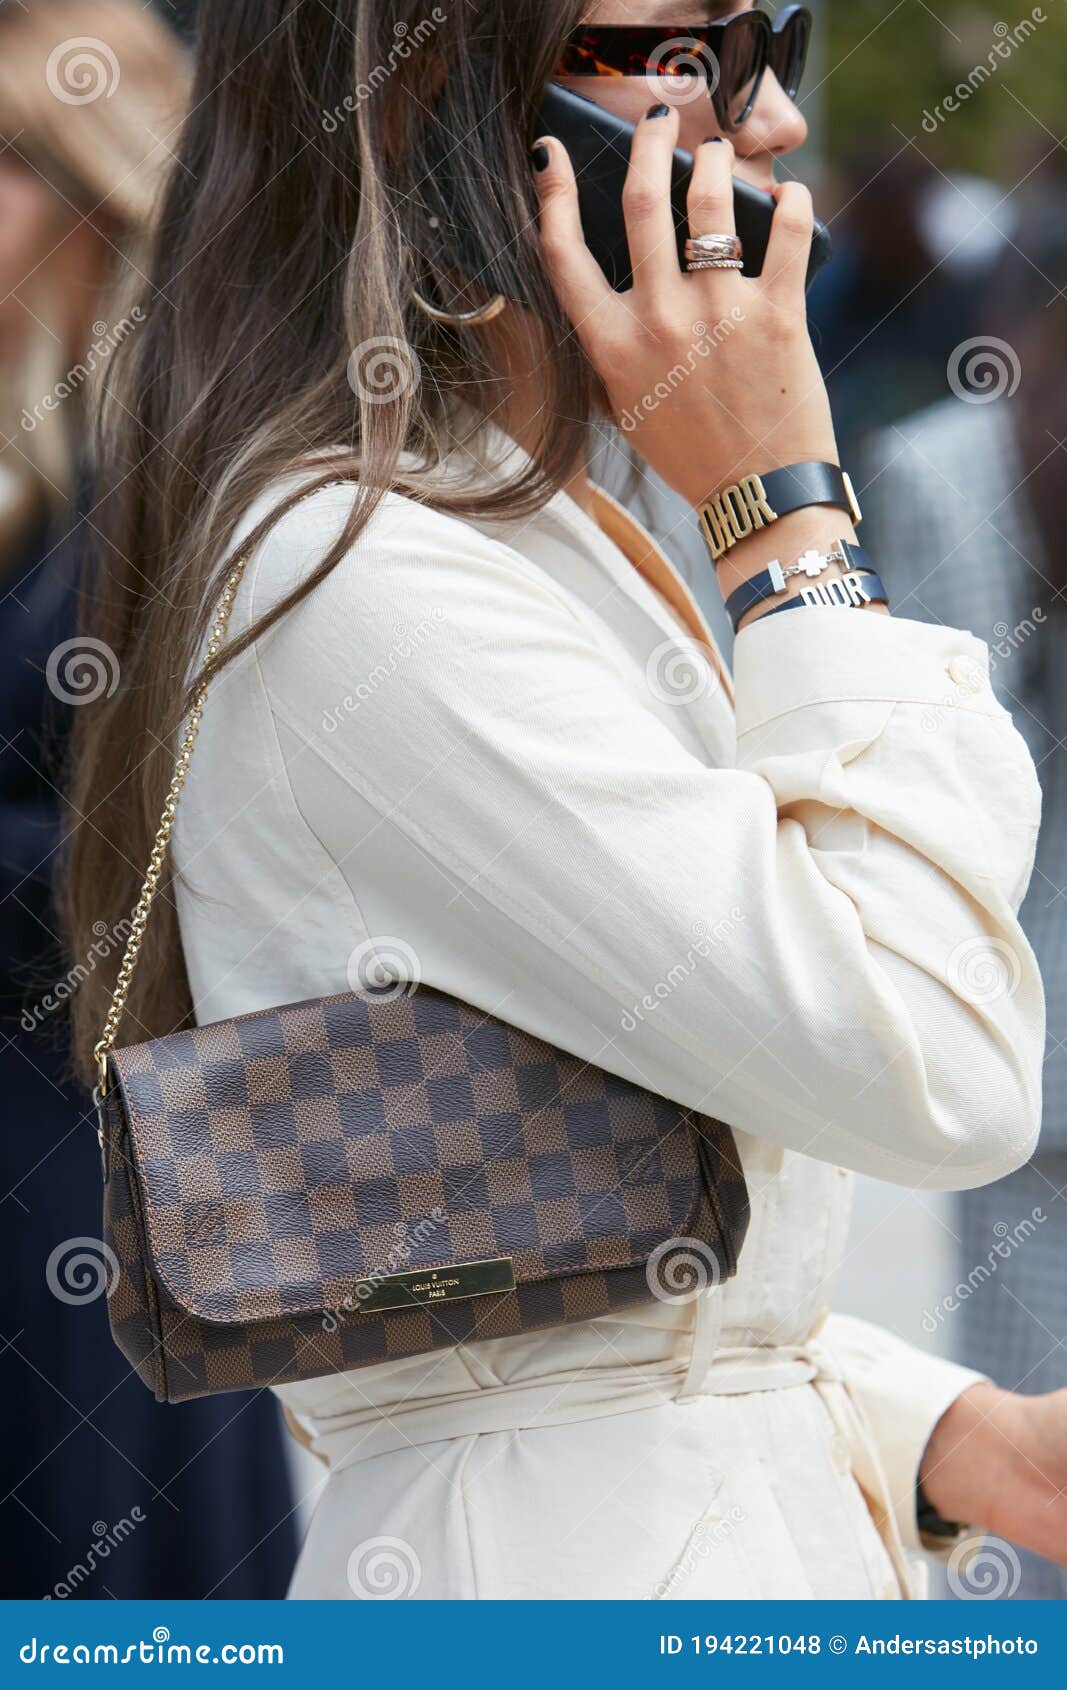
(599, 146)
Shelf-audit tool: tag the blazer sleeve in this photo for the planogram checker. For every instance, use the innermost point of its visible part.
(818, 945)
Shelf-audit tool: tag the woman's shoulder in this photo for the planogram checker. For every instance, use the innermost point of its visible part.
(406, 547)
(414, 576)
(297, 541)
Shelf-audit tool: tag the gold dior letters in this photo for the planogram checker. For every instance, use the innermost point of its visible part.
(735, 512)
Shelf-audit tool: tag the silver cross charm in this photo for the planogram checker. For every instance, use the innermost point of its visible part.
(812, 562)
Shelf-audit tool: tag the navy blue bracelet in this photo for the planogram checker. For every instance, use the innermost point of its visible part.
(756, 500)
(845, 592)
(774, 579)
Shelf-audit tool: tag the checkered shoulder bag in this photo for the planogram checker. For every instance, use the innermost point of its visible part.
(304, 1190)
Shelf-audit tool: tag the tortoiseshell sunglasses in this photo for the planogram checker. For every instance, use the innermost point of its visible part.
(730, 56)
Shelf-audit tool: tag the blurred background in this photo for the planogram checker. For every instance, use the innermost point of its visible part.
(937, 157)
(942, 328)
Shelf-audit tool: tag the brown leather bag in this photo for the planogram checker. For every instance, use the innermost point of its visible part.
(304, 1190)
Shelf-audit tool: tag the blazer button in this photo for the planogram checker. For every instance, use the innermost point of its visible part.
(966, 673)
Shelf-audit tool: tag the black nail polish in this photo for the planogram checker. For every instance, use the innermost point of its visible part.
(539, 157)
(712, 138)
(657, 111)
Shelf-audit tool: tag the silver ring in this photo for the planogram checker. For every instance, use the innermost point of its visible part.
(714, 246)
(714, 264)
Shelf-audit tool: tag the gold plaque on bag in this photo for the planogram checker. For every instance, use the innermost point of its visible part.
(427, 1286)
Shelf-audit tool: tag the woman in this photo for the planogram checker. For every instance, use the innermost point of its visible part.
(89, 92)
(451, 743)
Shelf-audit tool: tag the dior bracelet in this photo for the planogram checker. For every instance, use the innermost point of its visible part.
(757, 500)
(773, 579)
(845, 592)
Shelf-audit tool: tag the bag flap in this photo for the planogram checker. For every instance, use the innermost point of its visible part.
(290, 1160)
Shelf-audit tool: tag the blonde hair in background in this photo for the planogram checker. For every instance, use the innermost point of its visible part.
(92, 95)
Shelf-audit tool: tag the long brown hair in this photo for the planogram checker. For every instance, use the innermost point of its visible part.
(303, 211)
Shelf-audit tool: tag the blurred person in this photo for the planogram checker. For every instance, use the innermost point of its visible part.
(519, 812)
(912, 245)
(103, 1493)
(967, 504)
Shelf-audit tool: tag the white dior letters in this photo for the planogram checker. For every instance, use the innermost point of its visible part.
(846, 590)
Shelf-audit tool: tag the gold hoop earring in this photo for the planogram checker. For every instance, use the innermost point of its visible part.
(461, 319)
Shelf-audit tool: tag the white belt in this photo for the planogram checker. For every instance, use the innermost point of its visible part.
(594, 1392)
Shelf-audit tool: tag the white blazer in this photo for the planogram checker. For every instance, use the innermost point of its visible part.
(507, 759)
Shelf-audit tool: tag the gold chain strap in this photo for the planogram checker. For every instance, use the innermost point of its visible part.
(139, 920)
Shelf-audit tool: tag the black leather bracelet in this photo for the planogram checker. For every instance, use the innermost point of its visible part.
(929, 1521)
(775, 579)
(844, 592)
(756, 500)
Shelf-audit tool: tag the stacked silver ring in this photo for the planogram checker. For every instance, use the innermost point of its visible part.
(713, 252)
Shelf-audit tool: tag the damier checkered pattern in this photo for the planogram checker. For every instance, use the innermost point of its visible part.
(259, 1169)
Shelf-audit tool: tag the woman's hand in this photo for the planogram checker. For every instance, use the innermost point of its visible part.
(999, 1460)
(711, 374)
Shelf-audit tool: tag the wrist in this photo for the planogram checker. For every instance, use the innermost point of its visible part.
(755, 454)
(815, 528)
(816, 525)
(971, 1463)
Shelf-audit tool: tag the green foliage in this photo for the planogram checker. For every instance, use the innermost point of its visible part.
(888, 65)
